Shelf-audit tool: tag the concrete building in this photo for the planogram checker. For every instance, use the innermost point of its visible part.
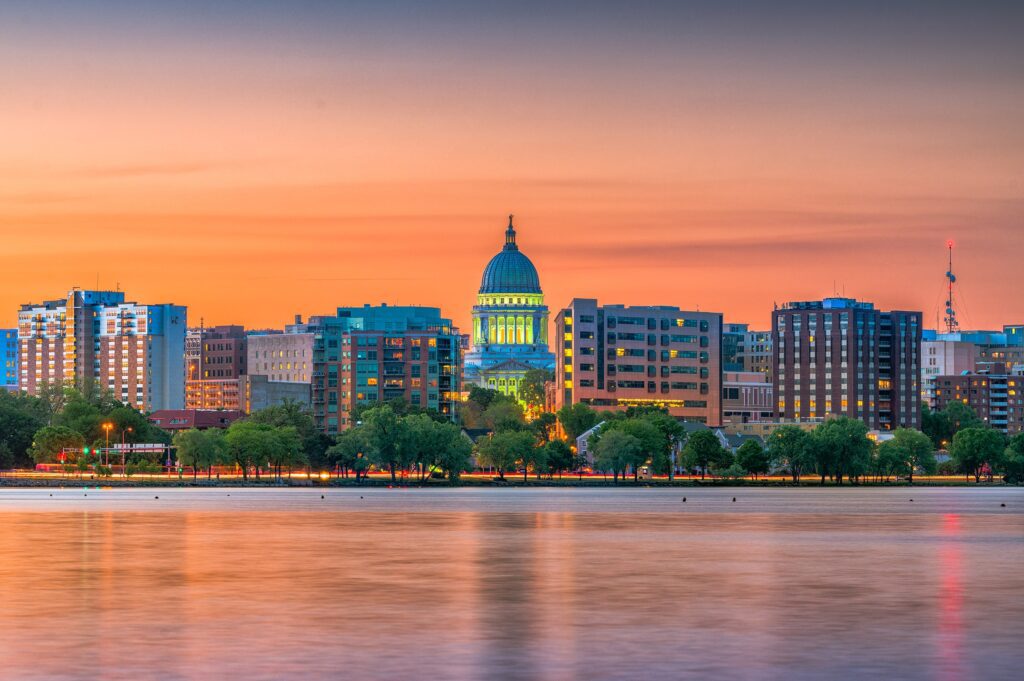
(944, 358)
(215, 358)
(746, 396)
(746, 350)
(371, 354)
(615, 356)
(510, 322)
(135, 351)
(998, 399)
(9, 359)
(838, 356)
(259, 392)
(285, 357)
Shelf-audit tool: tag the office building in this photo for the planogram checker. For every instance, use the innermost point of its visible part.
(133, 350)
(616, 356)
(944, 358)
(215, 358)
(838, 356)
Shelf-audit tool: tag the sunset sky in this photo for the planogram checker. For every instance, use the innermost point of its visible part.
(254, 160)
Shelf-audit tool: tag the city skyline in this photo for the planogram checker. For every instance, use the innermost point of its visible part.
(257, 164)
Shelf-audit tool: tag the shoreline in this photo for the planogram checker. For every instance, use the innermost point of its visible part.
(304, 483)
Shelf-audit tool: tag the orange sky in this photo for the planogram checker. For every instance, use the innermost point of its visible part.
(257, 171)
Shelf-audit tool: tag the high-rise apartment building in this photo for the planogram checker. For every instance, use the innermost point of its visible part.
(843, 357)
(371, 354)
(746, 350)
(133, 350)
(215, 358)
(997, 399)
(9, 359)
(614, 357)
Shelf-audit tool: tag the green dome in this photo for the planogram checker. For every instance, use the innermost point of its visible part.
(510, 271)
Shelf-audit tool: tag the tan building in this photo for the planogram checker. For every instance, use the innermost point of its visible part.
(746, 396)
(613, 357)
(285, 357)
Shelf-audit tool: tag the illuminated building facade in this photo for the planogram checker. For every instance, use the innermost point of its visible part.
(842, 357)
(510, 322)
(215, 358)
(997, 399)
(9, 359)
(371, 354)
(614, 357)
(135, 351)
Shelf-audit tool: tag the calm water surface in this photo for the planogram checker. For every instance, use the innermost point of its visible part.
(512, 584)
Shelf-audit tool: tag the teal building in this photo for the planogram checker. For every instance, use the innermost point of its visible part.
(510, 322)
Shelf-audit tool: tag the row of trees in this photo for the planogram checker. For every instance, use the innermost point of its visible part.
(37, 429)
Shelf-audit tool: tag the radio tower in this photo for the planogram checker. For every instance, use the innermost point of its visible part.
(952, 326)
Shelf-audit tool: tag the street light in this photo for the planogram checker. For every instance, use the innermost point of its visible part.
(129, 429)
(107, 427)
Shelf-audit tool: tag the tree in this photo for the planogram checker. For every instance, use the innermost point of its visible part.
(913, 450)
(503, 450)
(503, 415)
(349, 452)
(251, 445)
(50, 441)
(753, 458)
(889, 461)
(20, 417)
(453, 452)
(974, 449)
(313, 443)
(559, 456)
(961, 416)
(704, 451)
(842, 448)
(790, 448)
(532, 391)
(672, 434)
(936, 426)
(653, 442)
(617, 450)
(472, 410)
(285, 450)
(384, 434)
(577, 419)
(200, 449)
(544, 426)
(1013, 460)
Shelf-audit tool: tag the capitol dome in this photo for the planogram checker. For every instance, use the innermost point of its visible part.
(510, 271)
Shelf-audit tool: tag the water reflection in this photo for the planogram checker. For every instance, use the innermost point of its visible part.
(507, 585)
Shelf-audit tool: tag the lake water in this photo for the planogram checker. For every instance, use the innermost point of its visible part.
(512, 584)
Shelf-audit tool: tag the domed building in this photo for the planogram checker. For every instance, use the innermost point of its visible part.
(510, 322)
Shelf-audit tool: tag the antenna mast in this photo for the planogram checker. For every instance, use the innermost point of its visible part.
(952, 326)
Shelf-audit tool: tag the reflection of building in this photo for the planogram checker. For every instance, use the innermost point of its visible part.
(746, 396)
(365, 355)
(997, 399)
(616, 356)
(9, 359)
(843, 357)
(510, 322)
(134, 351)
